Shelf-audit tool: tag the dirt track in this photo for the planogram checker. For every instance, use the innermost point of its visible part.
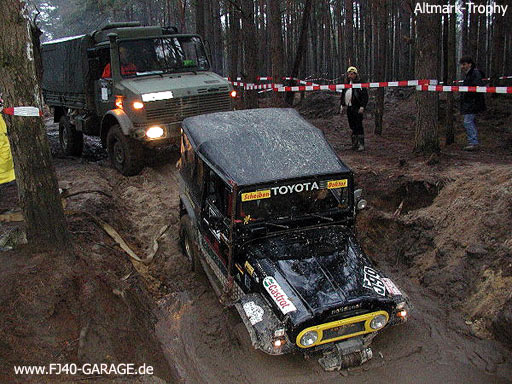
(198, 335)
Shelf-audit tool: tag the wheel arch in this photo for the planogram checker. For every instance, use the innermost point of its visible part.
(113, 117)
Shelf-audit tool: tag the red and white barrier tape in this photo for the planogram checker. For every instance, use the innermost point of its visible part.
(23, 111)
(337, 87)
(462, 88)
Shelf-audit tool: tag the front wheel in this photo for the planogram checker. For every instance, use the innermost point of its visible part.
(126, 154)
(188, 245)
(71, 140)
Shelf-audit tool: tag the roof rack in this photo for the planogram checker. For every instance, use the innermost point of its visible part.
(121, 24)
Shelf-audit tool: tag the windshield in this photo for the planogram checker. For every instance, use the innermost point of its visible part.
(292, 200)
(162, 55)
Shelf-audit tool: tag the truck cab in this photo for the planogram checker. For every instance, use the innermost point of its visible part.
(268, 212)
(130, 85)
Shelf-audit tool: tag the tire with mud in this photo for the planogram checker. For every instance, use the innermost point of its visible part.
(71, 140)
(188, 244)
(126, 154)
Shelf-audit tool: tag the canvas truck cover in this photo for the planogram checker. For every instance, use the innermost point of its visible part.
(65, 65)
(254, 146)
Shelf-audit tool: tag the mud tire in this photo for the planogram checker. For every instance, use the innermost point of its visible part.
(126, 154)
(189, 244)
(71, 140)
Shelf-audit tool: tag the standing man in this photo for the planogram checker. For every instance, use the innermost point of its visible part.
(471, 103)
(355, 99)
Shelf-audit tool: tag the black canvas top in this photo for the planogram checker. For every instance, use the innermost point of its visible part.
(254, 146)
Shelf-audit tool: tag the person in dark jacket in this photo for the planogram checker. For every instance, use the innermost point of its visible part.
(355, 99)
(471, 103)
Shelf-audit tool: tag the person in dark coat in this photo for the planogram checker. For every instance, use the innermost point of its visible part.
(471, 103)
(355, 99)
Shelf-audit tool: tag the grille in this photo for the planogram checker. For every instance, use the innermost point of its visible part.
(342, 330)
(175, 110)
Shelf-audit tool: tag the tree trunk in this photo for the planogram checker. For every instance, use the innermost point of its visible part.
(450, 78)
(497, 50)
(349, 31)
(426, 133)
(250, 51)
(381, 68)
(300, 47)
(233, 39)
(35, 174)
(276, 43)
(199, 5)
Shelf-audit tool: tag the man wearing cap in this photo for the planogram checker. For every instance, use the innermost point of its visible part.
(355, 99)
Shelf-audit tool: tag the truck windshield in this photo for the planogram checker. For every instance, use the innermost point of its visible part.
(162, 55)
(294, 200)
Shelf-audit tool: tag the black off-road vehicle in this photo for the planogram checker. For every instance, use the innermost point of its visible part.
(267, 210)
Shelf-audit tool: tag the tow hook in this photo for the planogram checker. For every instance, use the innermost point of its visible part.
(343, 356)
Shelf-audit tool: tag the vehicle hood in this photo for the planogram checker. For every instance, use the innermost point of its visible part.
(180, 84)
(319, 272)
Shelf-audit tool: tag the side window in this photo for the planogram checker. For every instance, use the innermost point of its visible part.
(217, 193)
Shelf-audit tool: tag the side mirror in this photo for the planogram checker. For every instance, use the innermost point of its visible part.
(358, 200)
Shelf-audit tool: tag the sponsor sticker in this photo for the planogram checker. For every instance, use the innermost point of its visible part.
(333, 184)
(372, 280)
(257, 195)
(278, 295)
(391, 287)
(249, 268)
(253, 311)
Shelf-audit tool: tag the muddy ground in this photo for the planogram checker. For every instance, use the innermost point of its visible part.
(440, 226)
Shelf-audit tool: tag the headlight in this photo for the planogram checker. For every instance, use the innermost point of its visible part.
(309, 338)
(154, 132)
(138, 105)
(361, 204)
(378, 322)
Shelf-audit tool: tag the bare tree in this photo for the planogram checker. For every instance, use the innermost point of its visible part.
(35, 174)
(426, 132)
(301, 47)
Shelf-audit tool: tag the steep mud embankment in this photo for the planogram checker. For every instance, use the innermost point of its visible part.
(453, 237)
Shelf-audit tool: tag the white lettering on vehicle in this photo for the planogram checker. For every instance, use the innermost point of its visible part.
(294, 188)
(278, 295)
(372, 280)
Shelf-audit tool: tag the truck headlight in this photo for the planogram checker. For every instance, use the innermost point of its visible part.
(138, 105)
(154, 132)
(378, 322)
(309, 338)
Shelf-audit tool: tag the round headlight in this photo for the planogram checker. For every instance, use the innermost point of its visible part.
(154, 132)
(309, 338)
(378, 322)
(361, 204)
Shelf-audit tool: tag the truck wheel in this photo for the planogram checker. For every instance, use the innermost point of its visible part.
(125, 154)
(71, 140)
(188, 245)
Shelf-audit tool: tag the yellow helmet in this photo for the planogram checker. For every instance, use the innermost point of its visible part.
(352, 69)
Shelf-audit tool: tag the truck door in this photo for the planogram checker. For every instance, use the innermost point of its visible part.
(214, 220)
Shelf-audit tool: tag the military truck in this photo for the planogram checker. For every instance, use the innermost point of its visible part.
(132, 86)
(268, 212)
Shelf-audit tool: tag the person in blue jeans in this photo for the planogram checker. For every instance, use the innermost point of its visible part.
(471, 103)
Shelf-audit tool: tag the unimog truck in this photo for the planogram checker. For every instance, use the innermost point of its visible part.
(130, 85)
(268, 212)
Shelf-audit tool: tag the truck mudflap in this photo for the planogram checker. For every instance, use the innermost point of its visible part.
(262, 324)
